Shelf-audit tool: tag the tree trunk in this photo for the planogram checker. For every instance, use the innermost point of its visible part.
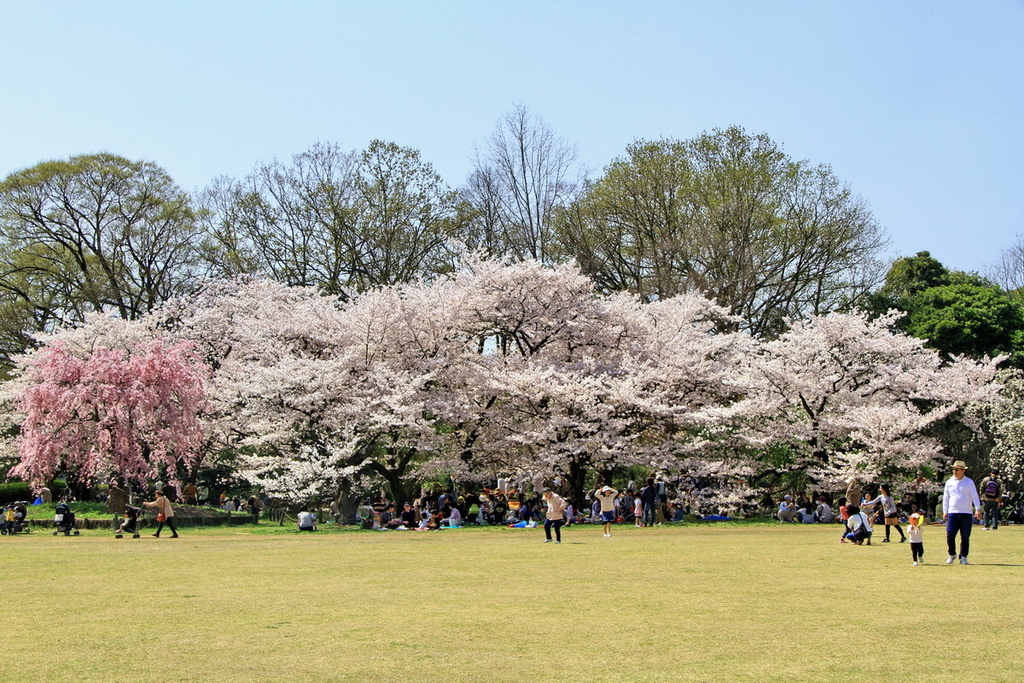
(577, 477)
(346, 503)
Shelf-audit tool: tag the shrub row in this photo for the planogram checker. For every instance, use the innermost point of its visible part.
(16, 491)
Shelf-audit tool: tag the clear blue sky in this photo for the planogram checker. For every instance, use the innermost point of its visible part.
(917, 105)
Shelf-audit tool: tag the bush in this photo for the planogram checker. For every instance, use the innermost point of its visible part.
(15, 491)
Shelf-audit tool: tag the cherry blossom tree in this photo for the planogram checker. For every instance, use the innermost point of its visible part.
(563, 381)
(1005, 417)
(100, 411)
(851, 397)
(516, 370)
(312, 393)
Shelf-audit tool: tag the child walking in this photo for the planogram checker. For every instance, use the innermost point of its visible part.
(916, 539)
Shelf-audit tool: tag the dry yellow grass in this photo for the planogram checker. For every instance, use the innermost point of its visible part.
(693, 603)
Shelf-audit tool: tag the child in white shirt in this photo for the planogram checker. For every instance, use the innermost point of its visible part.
(916, 539)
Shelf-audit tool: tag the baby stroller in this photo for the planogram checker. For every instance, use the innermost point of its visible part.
(130, 525)
(20, 518)
(65, 520)
(17, 522)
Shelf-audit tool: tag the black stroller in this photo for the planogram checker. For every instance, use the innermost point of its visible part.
(21, 518)
(65, 520)
(130, 525)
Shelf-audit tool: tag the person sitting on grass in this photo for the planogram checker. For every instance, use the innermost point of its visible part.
(454, 519)
(436, 519)
(787, 510)
(824, 511)
(307, 520)
(409, 517)
(806, 513)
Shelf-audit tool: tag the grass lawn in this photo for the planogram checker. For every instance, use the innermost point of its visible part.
(690, 603)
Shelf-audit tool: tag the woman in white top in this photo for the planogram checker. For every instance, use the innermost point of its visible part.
(892, 515)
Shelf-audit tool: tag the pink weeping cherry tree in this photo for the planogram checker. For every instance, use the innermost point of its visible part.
(101, 411)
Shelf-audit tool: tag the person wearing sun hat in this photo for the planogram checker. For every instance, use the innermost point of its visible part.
(959, 500)
(606, 496)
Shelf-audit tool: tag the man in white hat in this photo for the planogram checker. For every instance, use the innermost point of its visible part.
(606, 496)
(959, 500)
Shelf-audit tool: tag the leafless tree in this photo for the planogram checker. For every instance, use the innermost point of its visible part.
(1008, 270)
(524, 173)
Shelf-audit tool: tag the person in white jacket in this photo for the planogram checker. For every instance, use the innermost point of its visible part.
(959, 499)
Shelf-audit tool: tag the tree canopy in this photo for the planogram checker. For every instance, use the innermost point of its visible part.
(956, 313)
(730, 215)
(335, 220)
(518, 370)
(92, 233)
(93, 412)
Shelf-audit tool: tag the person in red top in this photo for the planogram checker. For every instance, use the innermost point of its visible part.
(164, 514)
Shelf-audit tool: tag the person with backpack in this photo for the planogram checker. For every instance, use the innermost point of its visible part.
(859, 527)
(991, 498)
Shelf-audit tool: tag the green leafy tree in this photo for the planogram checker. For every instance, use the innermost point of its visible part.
(957, 313)
(335, 220)
(730, 215)
(94, 232)
(967, 318)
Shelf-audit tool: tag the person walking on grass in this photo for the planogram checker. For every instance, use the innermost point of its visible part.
(649, 496)
(555, 516)
(916, 538)
(164, 514)
(890, 514)
(959, 496)
(991, 490)
(606, 496)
